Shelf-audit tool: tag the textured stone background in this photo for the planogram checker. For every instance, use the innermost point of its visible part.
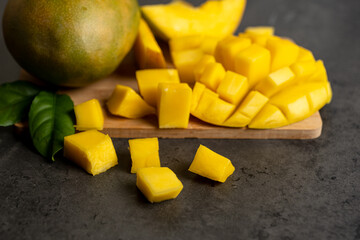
(281, 189)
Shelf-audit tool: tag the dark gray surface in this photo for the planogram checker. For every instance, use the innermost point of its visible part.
(281, 189)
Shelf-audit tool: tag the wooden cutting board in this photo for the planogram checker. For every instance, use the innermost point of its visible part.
(119, 127)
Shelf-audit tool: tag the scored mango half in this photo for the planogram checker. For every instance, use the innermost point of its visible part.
(258, 80)
(179, 18)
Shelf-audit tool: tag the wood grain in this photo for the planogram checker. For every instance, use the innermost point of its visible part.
(119, 127)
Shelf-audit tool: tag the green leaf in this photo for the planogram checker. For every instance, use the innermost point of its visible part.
(51, 118)
(15, 100)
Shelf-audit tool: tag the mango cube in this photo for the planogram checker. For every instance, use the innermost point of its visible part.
(276, 81)
(233, 87)
(259, 34)
(185, 43)
(185, 61)
(149, 79)
(125, 102)
(91, 150)
(293, 103)
(252, 104)
(305, 55)
(283, 52)
(89, 115)
(231, 49)
(209, 164)
(174, 101)
(208, 45)
(220, 48)
(237, 119)
(213, 74)
(253, 63)
(158, 183)
(197, 92)
(144, 153)
(303, 69)
(317, 95)
(147, 51)
(319, 75)
(201, 65)
(269, 117)
(212, 109)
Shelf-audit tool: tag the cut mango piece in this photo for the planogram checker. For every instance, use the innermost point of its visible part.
(317, 95)
(253, 63)
(212, 165)
(276, 81)
(283, 52)
(148, 54)
(305, 55)
(212, 75)
(196, 95)
(259, 34)
(231, 48)
(89, 115)
(174, 101)
(149, 79)
(233, 87)
(144, 153)
(220, 48)
(252, 104)
(293, 103)
(185, 61)
(237, 119)
(212, 109)
(91, 150)
(185, 43)
(178, 18)
(209, 44)
(319, 75)
(125, 102)
(269, 117)
(201, 65)
(303, 69)
(158, 183)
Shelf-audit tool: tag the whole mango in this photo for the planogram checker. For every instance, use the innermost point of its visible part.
(70, 42)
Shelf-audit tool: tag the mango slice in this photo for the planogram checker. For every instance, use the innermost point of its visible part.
(148, 54)
(144, 153)
(212, 165)
(177, 19)
(158, 183)
(125, 102)
(91, 150)
(274, 83)
(201, 65)
(89, 115)
(149, 79)
(174, 101)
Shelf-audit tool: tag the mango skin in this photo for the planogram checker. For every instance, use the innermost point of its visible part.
(70, 43)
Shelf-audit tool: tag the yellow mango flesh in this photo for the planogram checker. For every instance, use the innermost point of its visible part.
(144, 153)
(209, 164)
(125, 102)
(89, 115)
(149, 79)
(305, 55)
(91, 150)
(253, 63)
(201, 65)
(158, 183)
(276, 81)
(174, 102)
(233, 87)
(185, 61)
(147, 51)
(178, 19)
(269, 117)
(259, 34)
(212, 75)
(197, 92)
(283, 52)
(252, 104)
(212, 109)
